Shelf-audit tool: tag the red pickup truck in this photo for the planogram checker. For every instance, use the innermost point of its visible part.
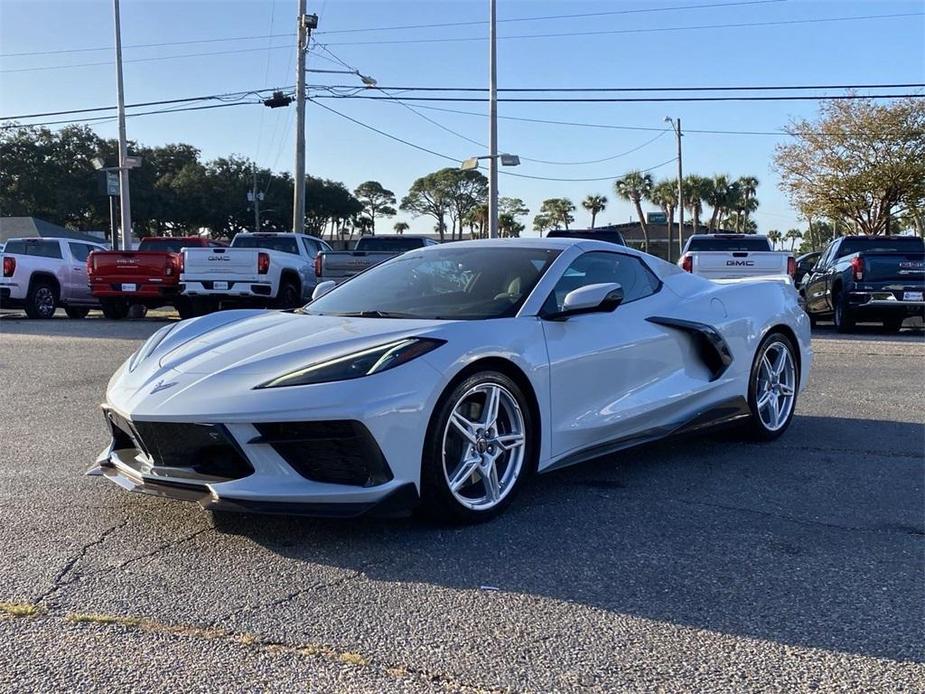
(149, 276)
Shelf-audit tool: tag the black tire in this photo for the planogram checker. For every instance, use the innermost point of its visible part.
(137, 311)
(893, 325)
(42, 300)
(756, 428)
(843, 318)
(289, 295)
(186, 309)
(813, 321)
(114, 309)
(437, 500)
(76, 312)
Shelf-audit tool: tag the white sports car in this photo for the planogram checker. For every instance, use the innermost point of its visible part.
(445, 377)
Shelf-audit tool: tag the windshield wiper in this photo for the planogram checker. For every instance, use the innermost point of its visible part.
(374, 314)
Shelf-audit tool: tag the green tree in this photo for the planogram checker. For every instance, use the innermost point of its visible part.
(695, 188)
(635, 186)
(376, 200)
(748, 185)
(509, 226)
(793, 235)
(595, 204)
(774, 236)
(862, 161)
(477, 219)
(558, 211)
(722, 196)
(400, 227)
(430, 195)
(542, 223)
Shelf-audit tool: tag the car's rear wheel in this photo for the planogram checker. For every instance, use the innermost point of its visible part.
(479, 449)
(114, 309)
(76, 312)
(843, 318)
(773, 385)
(42, 300)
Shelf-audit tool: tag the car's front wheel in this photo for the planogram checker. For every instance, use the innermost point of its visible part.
(773, 385)
(479, 449)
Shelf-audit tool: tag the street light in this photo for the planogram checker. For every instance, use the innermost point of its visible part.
(676, 126)
(505, 159)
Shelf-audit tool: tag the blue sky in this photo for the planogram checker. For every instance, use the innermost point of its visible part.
(864, 51)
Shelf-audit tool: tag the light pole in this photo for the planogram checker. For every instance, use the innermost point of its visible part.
(493, 122)
(307, 22)
(125, 202)
(676, 126)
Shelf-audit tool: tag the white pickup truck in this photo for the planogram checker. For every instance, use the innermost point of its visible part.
(42, 274)
(263, 269)
(734, 256)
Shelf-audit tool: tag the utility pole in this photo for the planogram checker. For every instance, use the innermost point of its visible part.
(307, 22)
(493, 123)
(125, 205)
(254, 197)
(680, 199)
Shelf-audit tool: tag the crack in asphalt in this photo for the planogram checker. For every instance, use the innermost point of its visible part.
(58, 581)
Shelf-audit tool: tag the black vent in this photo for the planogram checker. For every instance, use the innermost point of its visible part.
(338, 452)
(206, 449)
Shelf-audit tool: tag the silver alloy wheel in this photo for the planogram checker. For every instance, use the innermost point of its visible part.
(775, 391)
(483, 446)
(44, 302)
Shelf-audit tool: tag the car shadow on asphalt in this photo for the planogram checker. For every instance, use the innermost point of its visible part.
(813, 540)
(93, 326)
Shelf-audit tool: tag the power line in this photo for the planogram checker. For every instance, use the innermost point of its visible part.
(101, 119)
(723, 88)
(645, 100)
(456, 159)
(97, 49)
(611, 32)
(481, 22)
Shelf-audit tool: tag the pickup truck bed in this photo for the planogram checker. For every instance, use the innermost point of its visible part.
(370, 250)
(734, 256)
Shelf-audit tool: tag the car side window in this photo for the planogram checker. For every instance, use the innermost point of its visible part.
(600, 267)
(310, 247)
(80, 251)
(44, 249)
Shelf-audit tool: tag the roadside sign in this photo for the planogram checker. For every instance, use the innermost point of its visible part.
(112, 183)
(656, 218)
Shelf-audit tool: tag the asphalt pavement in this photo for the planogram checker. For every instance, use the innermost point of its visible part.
(699, 564)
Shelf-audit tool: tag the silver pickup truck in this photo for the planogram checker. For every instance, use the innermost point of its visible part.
(369, 250)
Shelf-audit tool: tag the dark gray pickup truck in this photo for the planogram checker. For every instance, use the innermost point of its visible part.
(868, 278)
(369, 250)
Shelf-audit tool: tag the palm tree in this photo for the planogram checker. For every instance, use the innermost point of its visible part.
(723, 196)
(634, 186)
(774, 236)
(793, 235)
(665, 195)
(401, 227)
(595, 204)
(696, 189)
(749, 187)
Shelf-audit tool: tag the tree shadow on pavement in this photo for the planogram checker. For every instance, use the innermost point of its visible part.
(814, 540)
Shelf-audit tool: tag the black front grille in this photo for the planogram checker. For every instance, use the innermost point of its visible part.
(206, 449)
(338, 452)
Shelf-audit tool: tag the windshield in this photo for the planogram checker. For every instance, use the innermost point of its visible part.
(284, 244)
(445, 283)
(380, 244)
(745, 243)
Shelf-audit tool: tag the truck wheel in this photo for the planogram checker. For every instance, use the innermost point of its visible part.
(114, 309)
(76, 311)
(844, 321)
(185, 309)
(137, 311)
(289, 295)
(42, 300)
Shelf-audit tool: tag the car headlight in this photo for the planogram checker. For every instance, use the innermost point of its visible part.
(358, 364)
(149, 346)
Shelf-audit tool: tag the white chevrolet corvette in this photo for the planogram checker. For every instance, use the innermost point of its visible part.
(445, 377)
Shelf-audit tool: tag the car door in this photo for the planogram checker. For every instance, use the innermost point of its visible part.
(78, 289)
(611, 374)
(815, 292)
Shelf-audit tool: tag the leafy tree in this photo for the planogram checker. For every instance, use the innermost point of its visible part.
(695, 188)
(722, 196)
(477, 219)
(429, 195)
(595, 204)
(558, 211)
(513, 206)
(542, 223)
(793, 235)
(748, 185)
(635, 186)
(861, 161)
(774, 236)
(401, 227)
(376, 200)
(509, 226)
(466, 190)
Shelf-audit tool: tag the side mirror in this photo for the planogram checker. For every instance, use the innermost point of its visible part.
(594, 298)
(323, 288)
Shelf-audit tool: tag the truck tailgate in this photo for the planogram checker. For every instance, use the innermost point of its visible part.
(129, 265)
(219, 261)
(726, 264)
(343, 264)
(905, 268)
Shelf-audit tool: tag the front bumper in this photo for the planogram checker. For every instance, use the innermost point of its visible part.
(281, 470)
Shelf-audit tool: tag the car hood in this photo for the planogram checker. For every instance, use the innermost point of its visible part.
(266, 343)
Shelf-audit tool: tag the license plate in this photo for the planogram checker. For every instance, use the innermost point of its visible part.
(129, 287)
(913, 296)
(219, 285)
